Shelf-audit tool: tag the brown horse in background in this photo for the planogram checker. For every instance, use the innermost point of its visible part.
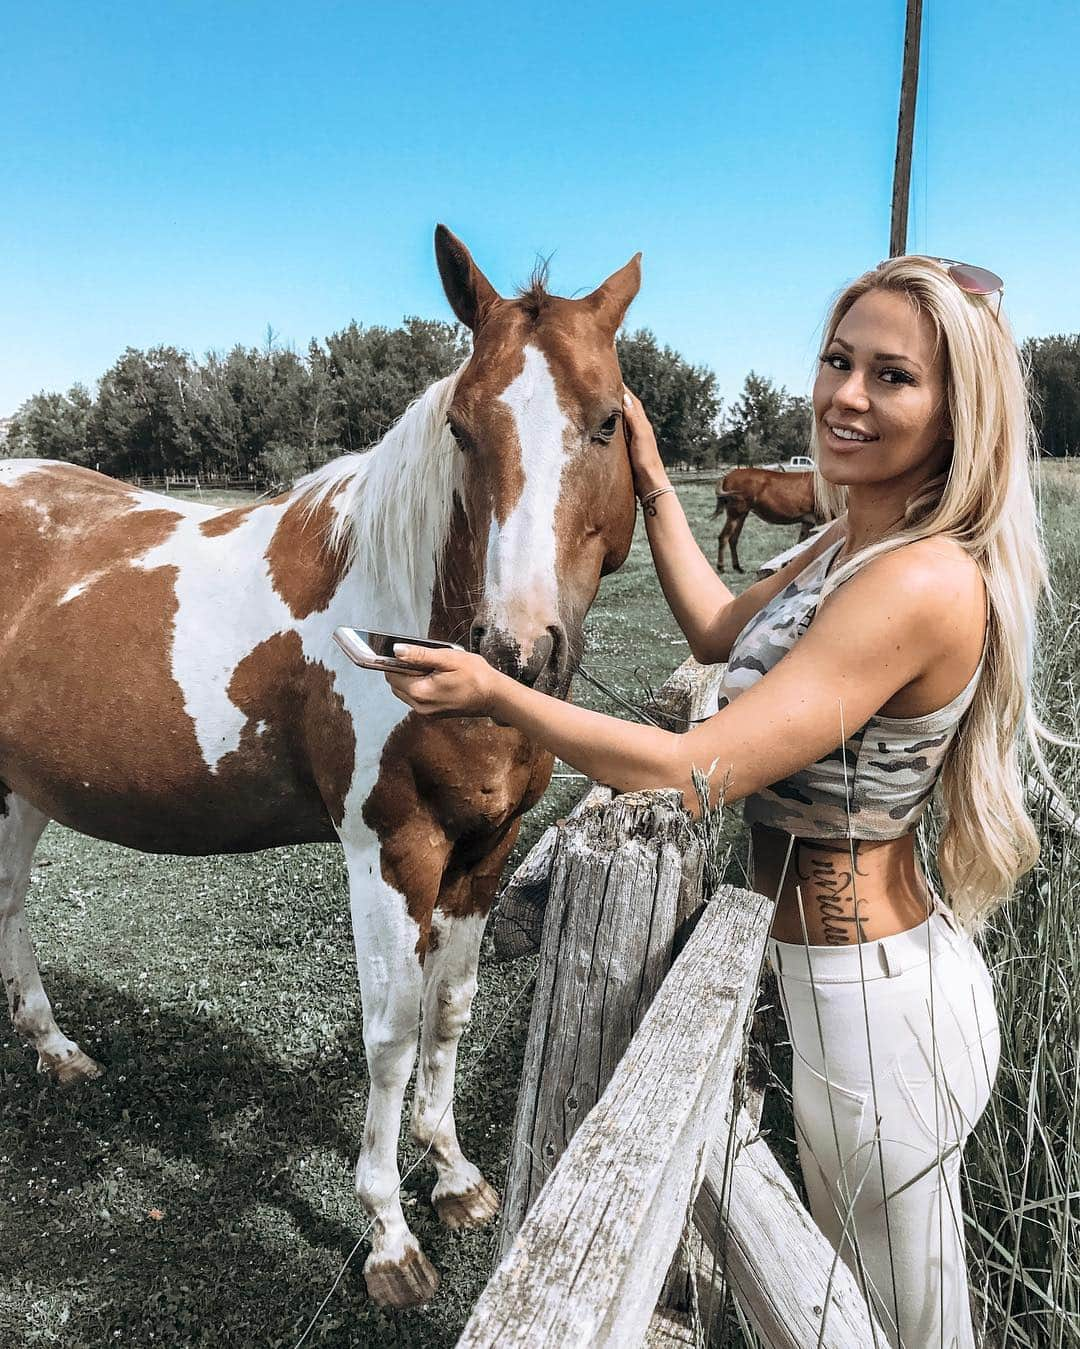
(778, 498)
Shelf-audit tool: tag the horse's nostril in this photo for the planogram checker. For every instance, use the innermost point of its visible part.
(557, 633)
(544, 657)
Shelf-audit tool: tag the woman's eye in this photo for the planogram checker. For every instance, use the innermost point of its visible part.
(834, 360)
(892, 376)
(607, 428)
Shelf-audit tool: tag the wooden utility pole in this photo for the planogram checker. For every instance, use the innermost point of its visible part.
(905, 132)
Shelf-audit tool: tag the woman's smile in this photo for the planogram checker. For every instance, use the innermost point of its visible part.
(844, 439)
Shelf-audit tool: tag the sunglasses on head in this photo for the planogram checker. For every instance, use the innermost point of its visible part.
(971, 280)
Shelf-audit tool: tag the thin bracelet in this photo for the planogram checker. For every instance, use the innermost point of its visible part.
(647, 500)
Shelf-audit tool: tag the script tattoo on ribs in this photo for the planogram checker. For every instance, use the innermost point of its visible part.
(831, 872)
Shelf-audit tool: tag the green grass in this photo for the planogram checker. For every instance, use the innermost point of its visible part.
(1023, 1163)
(221, 993)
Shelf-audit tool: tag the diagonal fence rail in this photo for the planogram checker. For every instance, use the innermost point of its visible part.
(588, 1263)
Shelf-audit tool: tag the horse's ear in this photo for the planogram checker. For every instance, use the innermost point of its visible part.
(611, 300)
(469, 291)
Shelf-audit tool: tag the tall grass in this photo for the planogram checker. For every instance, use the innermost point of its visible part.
(1022, 1166)
(1021, 1170)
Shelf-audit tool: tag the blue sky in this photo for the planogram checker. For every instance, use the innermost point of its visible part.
(188, 172)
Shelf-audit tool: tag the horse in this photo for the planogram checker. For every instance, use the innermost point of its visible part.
(169, 682)
(778, 498)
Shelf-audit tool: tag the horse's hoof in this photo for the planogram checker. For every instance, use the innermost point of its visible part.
(474, 1208)
(408, 1282)
(70, 1071)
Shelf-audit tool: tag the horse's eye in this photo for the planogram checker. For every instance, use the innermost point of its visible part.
(456, 432)
(608, 428)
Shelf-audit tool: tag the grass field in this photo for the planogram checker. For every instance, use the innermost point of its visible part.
(201, 1193)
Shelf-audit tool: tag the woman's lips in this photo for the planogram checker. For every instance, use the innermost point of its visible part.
(842, 444)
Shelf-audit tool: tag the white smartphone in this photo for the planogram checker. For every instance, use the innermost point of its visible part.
(375, 650)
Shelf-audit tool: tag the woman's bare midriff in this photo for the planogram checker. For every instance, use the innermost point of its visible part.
(828, 875)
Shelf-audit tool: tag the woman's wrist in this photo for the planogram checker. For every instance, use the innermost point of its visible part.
(493, 703)
(651, 479)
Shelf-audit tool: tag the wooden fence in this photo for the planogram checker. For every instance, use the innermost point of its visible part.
(191, 482)
(638, 1175)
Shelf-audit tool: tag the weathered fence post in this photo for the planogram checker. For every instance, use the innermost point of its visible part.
(625, 881)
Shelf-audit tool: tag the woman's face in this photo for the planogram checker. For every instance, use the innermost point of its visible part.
(879, 398)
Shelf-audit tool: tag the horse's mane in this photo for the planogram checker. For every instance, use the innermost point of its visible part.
(534, 295)
(393, 503)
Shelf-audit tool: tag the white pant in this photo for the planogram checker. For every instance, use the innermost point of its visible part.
(896, 1048)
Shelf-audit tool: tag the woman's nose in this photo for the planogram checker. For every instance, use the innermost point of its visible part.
(852, 392)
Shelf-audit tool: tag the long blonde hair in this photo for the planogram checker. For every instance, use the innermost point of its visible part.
(984, 500)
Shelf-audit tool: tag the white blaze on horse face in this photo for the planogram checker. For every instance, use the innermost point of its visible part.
(521, 588)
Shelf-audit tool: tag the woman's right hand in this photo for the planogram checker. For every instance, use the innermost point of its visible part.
(645, 462)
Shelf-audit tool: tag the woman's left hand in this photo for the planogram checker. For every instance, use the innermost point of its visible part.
(645, 462)
(446, 684)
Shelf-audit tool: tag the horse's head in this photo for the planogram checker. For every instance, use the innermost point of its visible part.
(537, 413)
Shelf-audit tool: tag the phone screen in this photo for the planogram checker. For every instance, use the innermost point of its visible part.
(375, 650)
(382, 643)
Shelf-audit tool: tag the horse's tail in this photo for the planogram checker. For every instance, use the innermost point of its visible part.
(722, 499)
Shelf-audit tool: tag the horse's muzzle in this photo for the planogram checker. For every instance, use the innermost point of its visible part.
(544, 666)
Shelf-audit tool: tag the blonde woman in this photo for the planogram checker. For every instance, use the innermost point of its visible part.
(891, 656)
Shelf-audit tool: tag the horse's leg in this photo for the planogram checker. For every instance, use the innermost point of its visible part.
(21, 826)
(397, 1272)
(805, 528)
(462, 1197)
(735, 540)
(725, 534)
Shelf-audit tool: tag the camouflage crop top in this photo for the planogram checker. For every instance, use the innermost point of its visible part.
(874, 786)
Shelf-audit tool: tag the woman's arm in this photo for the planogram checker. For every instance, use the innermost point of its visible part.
(694, 592)
(880, 632)
(709, 614)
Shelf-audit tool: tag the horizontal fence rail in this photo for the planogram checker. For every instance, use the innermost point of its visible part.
(198, 483)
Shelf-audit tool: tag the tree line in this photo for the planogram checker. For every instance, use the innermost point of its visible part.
(274, 413)
(1054, 375)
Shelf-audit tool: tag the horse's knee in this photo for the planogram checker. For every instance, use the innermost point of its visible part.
(390, 1050)
(452, 1007)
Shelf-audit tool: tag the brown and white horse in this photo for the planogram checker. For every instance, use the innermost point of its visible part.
(778, 498)
(168, 682)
